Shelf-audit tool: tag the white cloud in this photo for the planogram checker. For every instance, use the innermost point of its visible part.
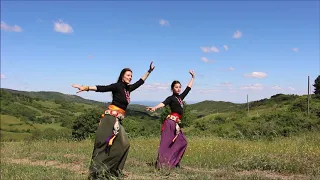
(295, 49)
(62, 27)
(156, 86)
(231, 69)
(206, 60)
(291, 88)
(277, 87)
(208, 90)
(163, 22)
(256, 75)
(226, 47)
(224, 84)
(237, 34)
(3, 76)
(252, 87)
(209, 49)
(9, 28)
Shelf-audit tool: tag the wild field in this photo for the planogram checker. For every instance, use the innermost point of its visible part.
(275, 140)
(205, 158)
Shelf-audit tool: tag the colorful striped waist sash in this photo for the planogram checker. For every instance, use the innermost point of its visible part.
(115, 111)
(174, 117)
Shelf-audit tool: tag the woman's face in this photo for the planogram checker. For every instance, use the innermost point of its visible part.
(127, 77)
(177, 88)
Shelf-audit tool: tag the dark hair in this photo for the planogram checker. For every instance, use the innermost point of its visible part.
(122, 73)
(174, 83)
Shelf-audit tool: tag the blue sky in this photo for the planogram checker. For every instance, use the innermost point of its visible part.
(235, 48)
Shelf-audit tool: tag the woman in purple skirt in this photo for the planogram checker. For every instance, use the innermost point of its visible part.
(173, 143)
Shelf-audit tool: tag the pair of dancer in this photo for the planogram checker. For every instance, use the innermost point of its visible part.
(111, 145)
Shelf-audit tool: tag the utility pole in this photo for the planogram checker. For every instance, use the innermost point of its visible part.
(308, 95)
(248, 102)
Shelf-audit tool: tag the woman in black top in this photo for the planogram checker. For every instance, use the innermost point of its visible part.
(173, 143)
(111, 144)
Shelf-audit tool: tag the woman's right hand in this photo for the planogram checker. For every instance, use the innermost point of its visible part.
(152, 109)
(80, 88)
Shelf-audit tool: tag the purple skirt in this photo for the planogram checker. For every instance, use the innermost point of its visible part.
(170, 153)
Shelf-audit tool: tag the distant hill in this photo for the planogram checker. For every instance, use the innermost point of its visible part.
(23, 113)
(280, 115)
(55, 96)
(209, 107)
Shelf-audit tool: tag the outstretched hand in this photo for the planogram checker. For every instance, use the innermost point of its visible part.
(80, 88)
(192, 73)
(151, 68)
(151, 109)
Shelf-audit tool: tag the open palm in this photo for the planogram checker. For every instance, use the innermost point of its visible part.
(80, 88)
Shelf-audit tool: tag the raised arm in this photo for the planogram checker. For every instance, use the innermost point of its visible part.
(188, 88)
(142, 79)
(190, 84)
(146, 75)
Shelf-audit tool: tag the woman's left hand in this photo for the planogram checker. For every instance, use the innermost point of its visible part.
(192, 73)
(151, 68)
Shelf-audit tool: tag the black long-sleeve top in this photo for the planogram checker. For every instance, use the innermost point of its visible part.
(175, 101)
(120, 92)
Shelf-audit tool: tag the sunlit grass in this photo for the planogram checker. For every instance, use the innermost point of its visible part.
(205, 158)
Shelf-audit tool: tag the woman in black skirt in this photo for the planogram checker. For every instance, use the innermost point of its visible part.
(111, 144)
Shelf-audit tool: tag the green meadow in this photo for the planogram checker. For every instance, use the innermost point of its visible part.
(276, 139)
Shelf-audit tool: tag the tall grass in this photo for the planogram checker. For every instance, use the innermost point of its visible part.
(205, 158)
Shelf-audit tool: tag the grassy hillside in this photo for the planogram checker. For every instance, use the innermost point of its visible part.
(28, 113)
(24, 114)
(210, 107)
(280, 115)
(54, 96)
(275, 140)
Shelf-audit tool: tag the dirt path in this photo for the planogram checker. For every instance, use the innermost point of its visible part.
(79, 168)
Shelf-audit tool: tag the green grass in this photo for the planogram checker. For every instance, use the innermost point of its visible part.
(11, 123)
(49, 104)
(205, 158)
(27, 172)
(55, 126)
(7, 136)
(13, 128)
(35, 109)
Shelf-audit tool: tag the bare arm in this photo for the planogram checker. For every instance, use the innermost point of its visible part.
(145, 76)
(92, 88)
(152, 109)
(160, 105)
(142, 79)
(190, 84)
